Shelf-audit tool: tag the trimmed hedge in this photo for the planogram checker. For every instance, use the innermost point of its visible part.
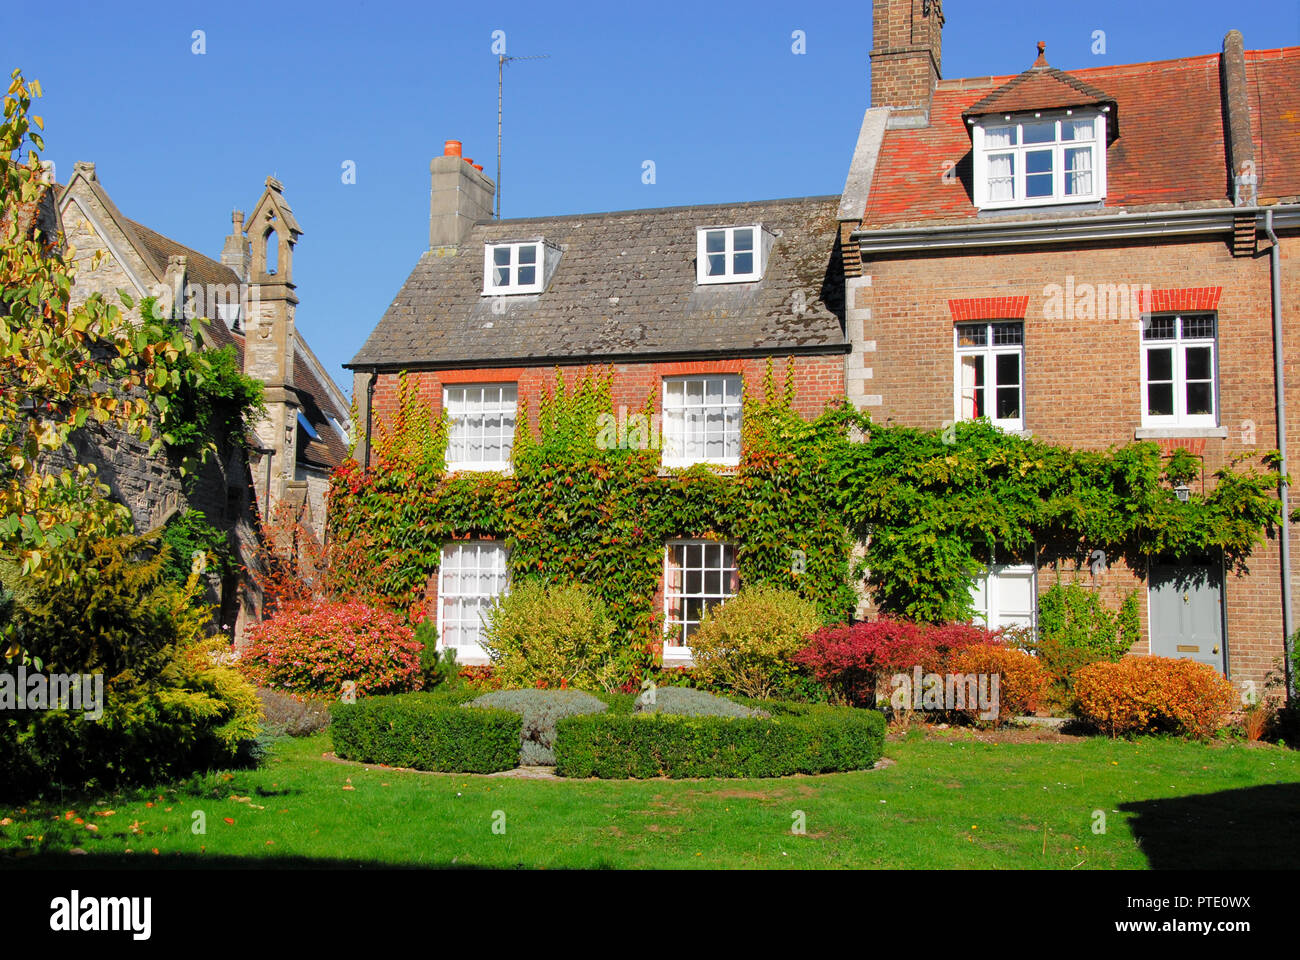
(803, 738)
(415, 730)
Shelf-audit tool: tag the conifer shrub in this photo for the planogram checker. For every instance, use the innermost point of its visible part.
(170, 705)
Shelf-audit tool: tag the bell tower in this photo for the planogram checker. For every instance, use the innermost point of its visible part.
(269, 339)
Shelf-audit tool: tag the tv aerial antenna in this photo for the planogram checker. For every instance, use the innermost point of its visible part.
(502, 60)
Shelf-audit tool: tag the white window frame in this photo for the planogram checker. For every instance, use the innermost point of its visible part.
(492, 288)
(729, 274)
(729, 585)
(981, 154)
(498, 569)
(732, 389)
(990, 353)
(507, 410)
(1179, 345)
(993, 616)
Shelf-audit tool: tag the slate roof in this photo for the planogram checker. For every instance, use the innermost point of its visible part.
(1170, 152)
(625, 288)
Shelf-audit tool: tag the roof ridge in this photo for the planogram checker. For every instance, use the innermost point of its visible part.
(644, 210)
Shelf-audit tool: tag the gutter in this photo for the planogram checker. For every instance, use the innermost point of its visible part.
(1284, 486)
(984, 233)
(370, 405)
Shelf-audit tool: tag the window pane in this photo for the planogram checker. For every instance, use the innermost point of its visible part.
(1198, 327)
(1041, 132)
(1159, 328)
(501, 255)
(527, 275)
(972, 334)
(1008, 403)
(1200, 400)
(1198, 363)
(1008, 334)
(528, 253)
(743, 240)
(501, 276)
(717, 265)
(715, 241)
(1002, 176)
(1160, 365)
(972, 387)
(995, 137)
(1038, 173)
(1160, 399)
(743, 263)
(1078, 171)
(1078, 130)
(1008, 369)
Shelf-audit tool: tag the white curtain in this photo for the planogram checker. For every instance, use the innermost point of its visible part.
(1078, 171)
(1001, 177)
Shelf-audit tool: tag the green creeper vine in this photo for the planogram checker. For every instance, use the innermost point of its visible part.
(931, 507)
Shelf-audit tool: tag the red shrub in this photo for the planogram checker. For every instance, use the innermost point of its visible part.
(849, 660)
(316, 648)
(1153, 694)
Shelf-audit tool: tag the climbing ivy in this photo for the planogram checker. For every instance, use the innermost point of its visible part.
(931, 507)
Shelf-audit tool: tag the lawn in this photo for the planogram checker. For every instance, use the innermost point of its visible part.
(949, 800)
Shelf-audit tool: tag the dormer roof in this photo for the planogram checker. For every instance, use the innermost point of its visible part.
(1043, 87)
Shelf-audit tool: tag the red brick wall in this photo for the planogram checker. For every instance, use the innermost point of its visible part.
(818, 381)
(1082, 376)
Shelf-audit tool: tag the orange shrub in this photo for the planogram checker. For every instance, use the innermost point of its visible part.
(1022, 680)
(1153, 694)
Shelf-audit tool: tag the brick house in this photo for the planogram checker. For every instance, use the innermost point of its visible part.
(686, 305)
(249, 295)
(1091, 258)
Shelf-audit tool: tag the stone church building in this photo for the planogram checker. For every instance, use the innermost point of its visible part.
(249, 296)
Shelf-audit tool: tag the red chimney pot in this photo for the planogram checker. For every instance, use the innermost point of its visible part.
(451, 148)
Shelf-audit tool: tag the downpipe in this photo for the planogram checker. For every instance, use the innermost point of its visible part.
(1284, 487)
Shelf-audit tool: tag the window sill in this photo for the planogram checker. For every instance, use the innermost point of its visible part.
(1180, 433)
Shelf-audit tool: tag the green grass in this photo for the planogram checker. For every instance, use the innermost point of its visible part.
(946, 803)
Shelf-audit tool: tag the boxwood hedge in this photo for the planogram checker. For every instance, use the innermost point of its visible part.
(426, 733)
(799, 738)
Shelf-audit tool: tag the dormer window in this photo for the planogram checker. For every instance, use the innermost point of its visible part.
(1040, 159)
(731, 254)
(519, 267)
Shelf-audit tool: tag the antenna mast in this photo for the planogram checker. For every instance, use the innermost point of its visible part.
(502, 60)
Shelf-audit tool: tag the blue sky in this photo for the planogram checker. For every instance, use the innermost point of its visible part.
(712, 93)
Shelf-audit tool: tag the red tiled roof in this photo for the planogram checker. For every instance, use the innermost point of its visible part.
(1273, 80)
(1169, 152)
(1038, 88)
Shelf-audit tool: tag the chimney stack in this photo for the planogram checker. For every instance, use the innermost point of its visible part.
(237, 254)
(906, 58)
(459, 195)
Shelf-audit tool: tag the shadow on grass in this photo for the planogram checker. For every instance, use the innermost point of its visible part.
(183, 861)
(1255, 828)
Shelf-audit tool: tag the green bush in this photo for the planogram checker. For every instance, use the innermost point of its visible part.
(540, 710)
(1076, 629)
(438, 667)
(425, 733)
(555, 635)
(170, 706)
(799, 738)
(747, 644)
(687, 702)
(188, 533)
